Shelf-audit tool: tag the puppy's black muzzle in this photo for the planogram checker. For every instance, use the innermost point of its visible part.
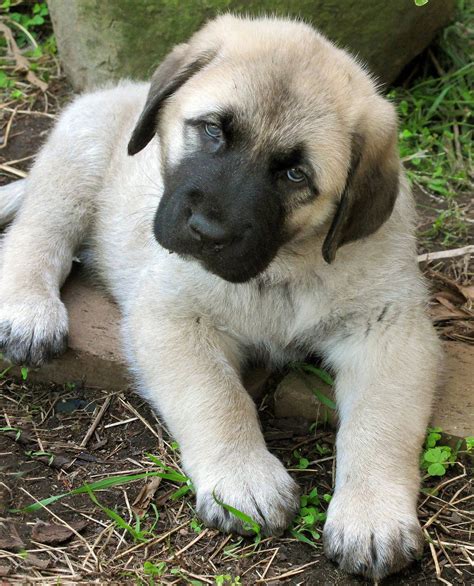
(221, 213)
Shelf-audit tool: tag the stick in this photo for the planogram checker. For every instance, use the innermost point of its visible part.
(13, 171)
(96, 422)
(446, 253)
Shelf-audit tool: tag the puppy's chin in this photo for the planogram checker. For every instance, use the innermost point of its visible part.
(225, 268)
(231, 274)
(234, 264)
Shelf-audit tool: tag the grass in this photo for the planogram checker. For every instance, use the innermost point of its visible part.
(167, 543)
(436, 104)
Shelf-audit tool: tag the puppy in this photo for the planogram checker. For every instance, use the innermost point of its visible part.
(266, 161)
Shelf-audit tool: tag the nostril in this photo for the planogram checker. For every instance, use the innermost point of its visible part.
(207, 230)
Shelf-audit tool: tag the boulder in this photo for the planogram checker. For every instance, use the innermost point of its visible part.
(103, 40)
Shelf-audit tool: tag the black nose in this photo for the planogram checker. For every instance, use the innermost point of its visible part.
(208, 231)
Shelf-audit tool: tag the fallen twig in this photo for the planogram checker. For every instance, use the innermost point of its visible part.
(13, 171)
(96, 422)
(429, 256)
(22, 63)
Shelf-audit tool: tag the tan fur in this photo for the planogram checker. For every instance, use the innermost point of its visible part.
(187, 332)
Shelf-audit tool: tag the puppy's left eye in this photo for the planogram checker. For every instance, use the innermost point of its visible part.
(213, 130)
(295, 175)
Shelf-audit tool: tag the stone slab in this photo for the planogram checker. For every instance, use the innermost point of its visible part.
(454, 405)
(453, 408)
(94, 356)
(103, 40)
(294, 397)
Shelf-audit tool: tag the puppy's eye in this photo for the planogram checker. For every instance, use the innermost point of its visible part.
(295, 175)
(213, 130)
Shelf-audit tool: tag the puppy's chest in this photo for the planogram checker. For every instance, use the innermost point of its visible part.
(280, 319)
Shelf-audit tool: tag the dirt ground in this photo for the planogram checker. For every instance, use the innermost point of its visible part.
(46, 449)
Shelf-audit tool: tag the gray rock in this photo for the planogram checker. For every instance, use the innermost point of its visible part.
(102, 40)
(295, 397)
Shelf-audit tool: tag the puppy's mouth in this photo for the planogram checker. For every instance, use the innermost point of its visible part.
(230, 263)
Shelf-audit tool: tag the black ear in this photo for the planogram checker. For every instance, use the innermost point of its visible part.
(370, 192)
(174, 71)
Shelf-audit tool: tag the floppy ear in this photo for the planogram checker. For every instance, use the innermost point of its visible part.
(174, 71)
(372, 185)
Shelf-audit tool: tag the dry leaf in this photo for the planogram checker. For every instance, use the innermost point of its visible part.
(37, 562)
(53, 534)
(5, 569)
(21, 62)
(9, 538)
(467, 291)
(452, 309)
(145, 496)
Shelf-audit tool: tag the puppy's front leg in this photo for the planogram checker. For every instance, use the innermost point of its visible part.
(189, 372)
(385, 379)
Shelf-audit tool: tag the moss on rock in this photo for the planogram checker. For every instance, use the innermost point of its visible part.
(128, 38)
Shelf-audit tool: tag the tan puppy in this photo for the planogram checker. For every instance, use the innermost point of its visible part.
(265, 158)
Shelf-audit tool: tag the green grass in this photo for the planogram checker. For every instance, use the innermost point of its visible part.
(436, 124)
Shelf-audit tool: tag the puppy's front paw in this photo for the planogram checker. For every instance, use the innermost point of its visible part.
(371, 537)
(32, 329)
(259, 486)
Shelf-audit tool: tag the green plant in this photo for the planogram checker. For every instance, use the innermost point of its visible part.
(29, 19)
(154, 570)
(28, 44)
(169, 474)
(469, 443)
(436, 459)
(186, 580)
(196, 526)
(227, 579)
(323, 375)
(248, 523)
(310, 518)
(436, 123)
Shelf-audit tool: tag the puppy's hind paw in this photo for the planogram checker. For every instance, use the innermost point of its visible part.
(33, 329)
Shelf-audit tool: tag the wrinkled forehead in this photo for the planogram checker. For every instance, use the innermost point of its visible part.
(263, 96)
(275, 105)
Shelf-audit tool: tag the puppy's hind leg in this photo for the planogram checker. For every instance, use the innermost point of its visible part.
(11, 198)
(38, 247)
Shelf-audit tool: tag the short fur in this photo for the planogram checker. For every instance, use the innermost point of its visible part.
(265, 267)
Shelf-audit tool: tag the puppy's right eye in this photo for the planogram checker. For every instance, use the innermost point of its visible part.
(212, 130)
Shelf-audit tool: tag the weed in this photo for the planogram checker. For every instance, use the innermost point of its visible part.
(310, 518)
(436, 459)
(469, 444)
(4, 371)
(186, 580)
(30, 28)
(227, 580)
(323, 375)
(196, 525)
(169, 474)
(248, 523)
(436, 123)
(154, 570)
(302, 462)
